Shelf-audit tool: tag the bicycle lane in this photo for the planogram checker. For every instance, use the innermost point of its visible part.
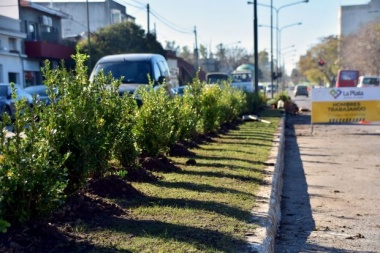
(330, 197)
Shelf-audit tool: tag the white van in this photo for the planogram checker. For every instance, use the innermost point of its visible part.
(135, 69)
(368, 81)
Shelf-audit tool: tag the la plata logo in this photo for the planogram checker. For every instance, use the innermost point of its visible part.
(335, 93)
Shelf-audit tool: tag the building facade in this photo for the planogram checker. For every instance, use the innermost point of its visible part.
(352, 17)
(29, 35)
(87, 16)
(12, 55)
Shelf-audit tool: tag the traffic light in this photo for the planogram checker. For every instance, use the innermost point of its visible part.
(276, 75)
(321, 62)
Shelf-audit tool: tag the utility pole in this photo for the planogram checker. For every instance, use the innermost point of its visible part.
(256, 48)
(148, 13)
(196, 56)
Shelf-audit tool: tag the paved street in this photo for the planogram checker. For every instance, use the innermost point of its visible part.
(330, 197)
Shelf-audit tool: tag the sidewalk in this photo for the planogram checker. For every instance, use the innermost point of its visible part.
(322, 191)
(327, 182)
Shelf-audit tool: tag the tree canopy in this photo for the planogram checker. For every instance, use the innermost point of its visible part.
(327, 52)
(121, 38)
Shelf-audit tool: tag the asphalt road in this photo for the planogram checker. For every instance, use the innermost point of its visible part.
(330, 198)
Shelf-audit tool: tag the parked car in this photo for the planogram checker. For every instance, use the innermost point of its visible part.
(40, 91)
(134, 70)
(301, 90)
(368, 81)
(7, 104)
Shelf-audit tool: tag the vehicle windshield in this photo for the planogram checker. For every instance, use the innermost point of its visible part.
(371, 80)
(241, 77)
(216, 78)
(132, 72)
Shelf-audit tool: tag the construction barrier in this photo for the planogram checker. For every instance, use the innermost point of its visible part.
(344, 105)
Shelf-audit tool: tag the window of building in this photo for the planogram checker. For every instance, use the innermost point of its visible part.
(115, 16)
(32, 33)
(12, 44)
(13, 77)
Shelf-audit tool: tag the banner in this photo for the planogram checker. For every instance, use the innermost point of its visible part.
(343, 105)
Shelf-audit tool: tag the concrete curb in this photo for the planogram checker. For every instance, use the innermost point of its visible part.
(267, 213)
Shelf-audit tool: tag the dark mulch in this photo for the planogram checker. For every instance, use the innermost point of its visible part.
(158, 164)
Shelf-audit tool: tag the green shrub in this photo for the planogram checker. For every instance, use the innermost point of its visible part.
(194, 106)
(87, 119)
(232, 103)
(32, 172)
(255, 102)
(154, 126)
(210, 110)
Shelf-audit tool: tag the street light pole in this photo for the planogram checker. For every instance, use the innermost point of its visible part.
(277, 22)
(279, 39)
(278, 30)
(271, 46)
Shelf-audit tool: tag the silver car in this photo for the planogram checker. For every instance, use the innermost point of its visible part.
(7, 104)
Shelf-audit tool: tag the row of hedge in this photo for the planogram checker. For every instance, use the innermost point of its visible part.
(56, 148)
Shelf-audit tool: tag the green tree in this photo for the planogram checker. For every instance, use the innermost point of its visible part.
(125, 37)
(327, 51)
(186, 54)
(203, 51)
(264, 65)
(360, 50)
(171, 45)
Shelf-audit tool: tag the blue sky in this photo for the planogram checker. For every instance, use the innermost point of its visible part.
(229, 21)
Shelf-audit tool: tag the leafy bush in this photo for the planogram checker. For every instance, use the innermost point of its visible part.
(90, 121)
(32, 172)
(154, 126)
(210, 110)
(255, 102)
(232, 103)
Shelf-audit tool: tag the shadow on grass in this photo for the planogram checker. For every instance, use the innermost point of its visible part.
(200, 188)
(201, 238)
(209, 206)
(254, 180)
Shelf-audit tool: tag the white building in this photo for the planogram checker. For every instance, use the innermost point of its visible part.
(352, 17)
(11, 56)
(101, 13)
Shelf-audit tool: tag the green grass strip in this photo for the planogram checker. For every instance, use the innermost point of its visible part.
(202, 208)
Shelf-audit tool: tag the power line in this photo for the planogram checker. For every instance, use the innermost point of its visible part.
(169, 24)
(164, 21)
(142, 6)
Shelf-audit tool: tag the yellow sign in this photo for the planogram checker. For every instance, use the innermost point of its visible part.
(341, 105)
(345, 111)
